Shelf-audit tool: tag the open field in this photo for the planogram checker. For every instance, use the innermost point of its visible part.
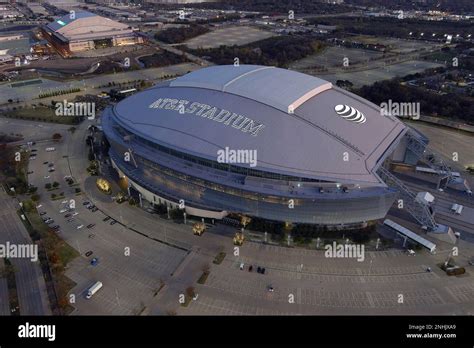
(368, 77)
(333, 56)
(396, 45)
(228, 36)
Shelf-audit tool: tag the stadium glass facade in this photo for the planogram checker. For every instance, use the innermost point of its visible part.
(213, 189)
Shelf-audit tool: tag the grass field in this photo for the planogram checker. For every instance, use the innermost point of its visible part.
(43, 114)
(396, 45)
(368, 77)
(228, 37)
(333, 56)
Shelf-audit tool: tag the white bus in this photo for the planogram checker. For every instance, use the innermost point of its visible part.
(93, 289)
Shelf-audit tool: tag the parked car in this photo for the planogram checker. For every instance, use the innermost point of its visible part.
(107, 218)
(90, 225)
(94, 261)
(270, 288)
(42, 213)
(79, 227)
(250, 268)
(86, 203)
(89, 253)
(67, 215)
(113, 222)
(241, 266)
(94, 209)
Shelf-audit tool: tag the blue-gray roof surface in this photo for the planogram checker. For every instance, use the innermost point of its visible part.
(279, 88)
(66, 19)
(314, 142)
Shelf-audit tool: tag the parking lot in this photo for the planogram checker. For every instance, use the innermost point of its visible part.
(141, 252)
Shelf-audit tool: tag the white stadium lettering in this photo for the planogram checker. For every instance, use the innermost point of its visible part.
(253, 128)
(245, 124)
(204, 107)
(234, 115)
(192, 108)
(222, 116)
(171, 104)
(156, 104)
(210, 113)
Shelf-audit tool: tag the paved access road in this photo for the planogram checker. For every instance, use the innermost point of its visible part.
(31, 287)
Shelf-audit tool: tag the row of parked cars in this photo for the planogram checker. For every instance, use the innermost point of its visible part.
(260, 270)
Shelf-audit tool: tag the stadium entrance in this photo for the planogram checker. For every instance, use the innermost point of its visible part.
(103, 43)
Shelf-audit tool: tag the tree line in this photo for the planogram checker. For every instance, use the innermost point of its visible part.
(275, 51)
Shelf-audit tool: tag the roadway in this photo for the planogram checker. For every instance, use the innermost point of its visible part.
(91, 85)
(30, 284)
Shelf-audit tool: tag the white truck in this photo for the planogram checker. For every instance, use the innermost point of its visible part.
(93, 289)
(457, 208)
